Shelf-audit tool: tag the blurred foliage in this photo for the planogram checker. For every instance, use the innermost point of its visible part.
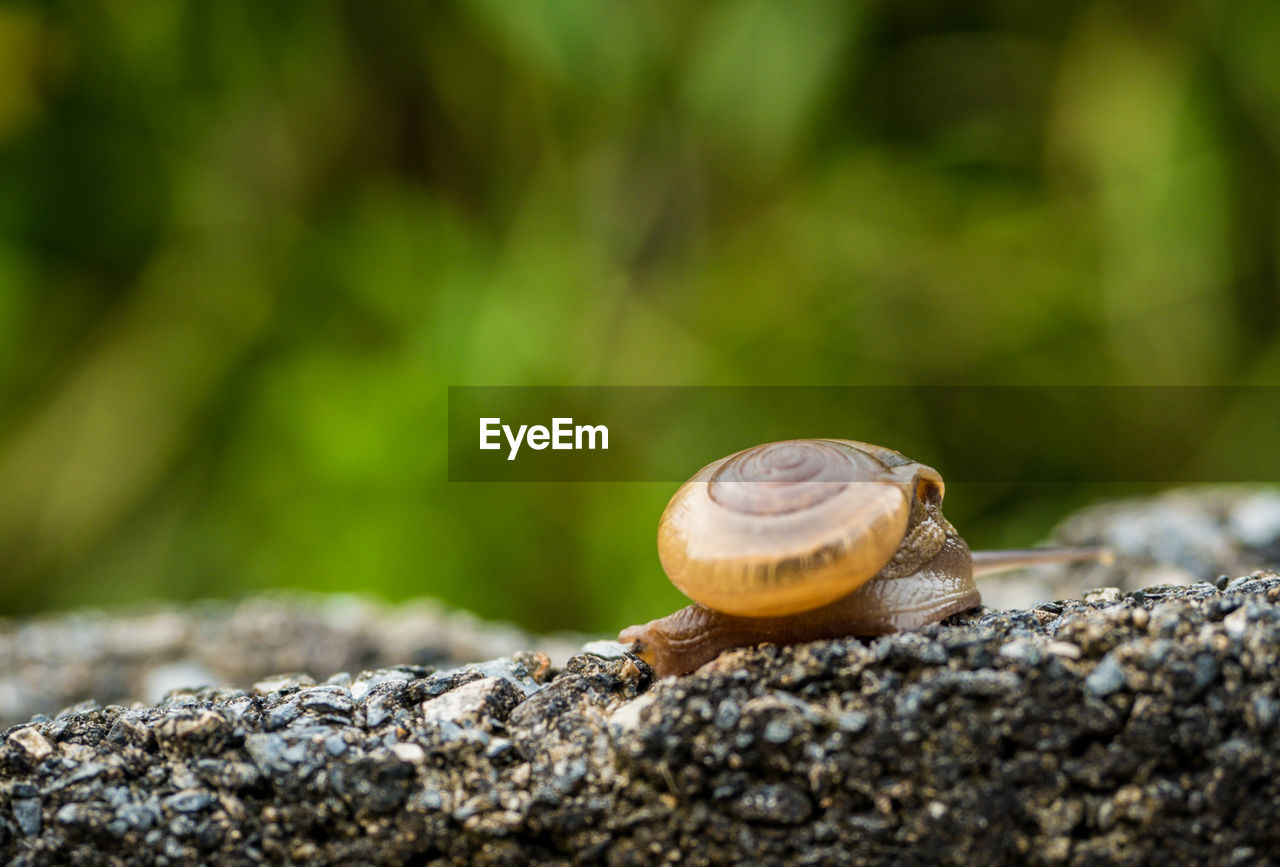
(245, 247)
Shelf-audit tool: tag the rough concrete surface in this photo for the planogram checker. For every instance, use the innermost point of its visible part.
(117, 657)
(1179, 536)
(1136, 727)
(1123, 727)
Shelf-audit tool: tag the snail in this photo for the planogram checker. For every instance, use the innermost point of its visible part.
(800, 540)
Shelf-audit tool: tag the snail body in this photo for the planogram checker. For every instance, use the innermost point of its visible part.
(802, 540)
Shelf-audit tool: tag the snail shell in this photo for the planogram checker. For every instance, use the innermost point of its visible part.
(800, 540)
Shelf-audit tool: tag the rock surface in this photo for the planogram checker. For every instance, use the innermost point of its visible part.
(1179, 536)
(1136, 727)
(118, 657)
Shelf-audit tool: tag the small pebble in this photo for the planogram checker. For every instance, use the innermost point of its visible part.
(1106, 678)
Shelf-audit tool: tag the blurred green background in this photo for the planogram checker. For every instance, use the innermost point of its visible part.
(245, 247)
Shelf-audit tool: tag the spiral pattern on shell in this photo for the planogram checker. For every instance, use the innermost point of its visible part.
(781, 477)
(786, 527)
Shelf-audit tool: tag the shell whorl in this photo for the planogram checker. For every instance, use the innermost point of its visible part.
(780, 477)
(787, 527)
